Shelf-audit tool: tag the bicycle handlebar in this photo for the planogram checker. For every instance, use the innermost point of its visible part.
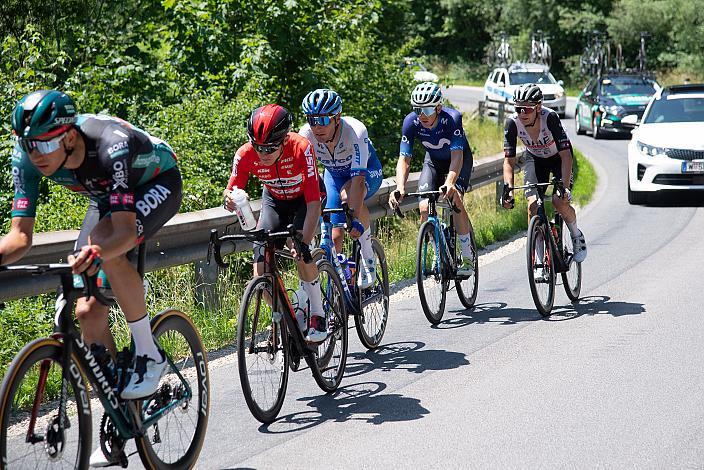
(90, 283)
(433, 195)
(261, 235)
(345, 209)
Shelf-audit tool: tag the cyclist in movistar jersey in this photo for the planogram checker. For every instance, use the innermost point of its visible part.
(548, 149)
(448, 159)
(352, 169)
(134, 186)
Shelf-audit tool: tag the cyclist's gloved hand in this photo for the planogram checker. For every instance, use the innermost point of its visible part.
(86, 259)
(507, 200)
(395, 198)
(357, 228)
(449, 190)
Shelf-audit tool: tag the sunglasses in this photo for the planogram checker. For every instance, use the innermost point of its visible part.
(426, 110)
(525, 109)
(267, 149)
(319, 120)
(41, 146)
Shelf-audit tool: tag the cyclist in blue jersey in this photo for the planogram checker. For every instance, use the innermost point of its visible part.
(352, 169)
(448, 159)
(134, 185)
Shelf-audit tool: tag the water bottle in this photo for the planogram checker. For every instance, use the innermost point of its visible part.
(243, 210)
(300, 307)
(105, 362)
(344, 262)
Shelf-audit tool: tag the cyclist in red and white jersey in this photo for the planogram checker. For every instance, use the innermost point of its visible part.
(548, 150)
(285, 162)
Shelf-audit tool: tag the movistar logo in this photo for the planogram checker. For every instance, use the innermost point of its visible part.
(441, 143)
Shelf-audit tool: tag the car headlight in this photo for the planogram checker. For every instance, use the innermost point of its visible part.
(614, 110)
(650, 150)
(559, 94)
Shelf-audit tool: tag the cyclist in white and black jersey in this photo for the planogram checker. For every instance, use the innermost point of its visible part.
(548, 150)
(352, 169)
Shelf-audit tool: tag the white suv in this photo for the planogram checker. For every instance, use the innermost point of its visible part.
(502, 81)
(666, 151)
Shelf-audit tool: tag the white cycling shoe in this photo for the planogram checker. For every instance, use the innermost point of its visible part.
(539, 275)
(318, 331)
(145, 377)
(98, 459)
(367, 275)
(579, 245)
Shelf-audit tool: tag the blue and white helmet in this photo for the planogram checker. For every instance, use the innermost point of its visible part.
(426, 94)
(322, 102)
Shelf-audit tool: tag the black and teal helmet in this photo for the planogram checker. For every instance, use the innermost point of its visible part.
(43, 113)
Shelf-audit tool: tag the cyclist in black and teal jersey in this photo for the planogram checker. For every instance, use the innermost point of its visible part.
(134, 186)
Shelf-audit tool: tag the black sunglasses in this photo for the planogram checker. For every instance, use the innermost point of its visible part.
(267, 149)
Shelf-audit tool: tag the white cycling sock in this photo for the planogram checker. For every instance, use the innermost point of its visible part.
(466, 242)
(365, 244)
(313, 291)
(574, 231)
(143, 340)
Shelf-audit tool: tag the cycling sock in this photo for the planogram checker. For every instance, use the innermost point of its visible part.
(574, 231)
(540, 248)
(312, 289)
(466, 242)
(143, 340)
(365, 244)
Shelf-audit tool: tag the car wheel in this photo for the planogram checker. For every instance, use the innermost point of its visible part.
(596, 133)
(577, 125)
(636, 198)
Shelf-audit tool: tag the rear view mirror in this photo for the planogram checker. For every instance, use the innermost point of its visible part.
(560, 82)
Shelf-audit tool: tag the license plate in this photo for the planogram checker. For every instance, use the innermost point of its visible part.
(693, 167)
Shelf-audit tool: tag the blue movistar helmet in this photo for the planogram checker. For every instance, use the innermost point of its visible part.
(322, 102)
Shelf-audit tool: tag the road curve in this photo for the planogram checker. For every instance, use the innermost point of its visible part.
(615, 380)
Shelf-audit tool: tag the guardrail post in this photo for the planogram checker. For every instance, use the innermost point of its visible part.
(206, 284)
(480, 108)
(500, 116)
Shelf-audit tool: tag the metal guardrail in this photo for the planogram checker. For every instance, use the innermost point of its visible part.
(494, 110)
(184, 238)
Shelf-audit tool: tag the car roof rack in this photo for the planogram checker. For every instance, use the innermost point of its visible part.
(690, 88)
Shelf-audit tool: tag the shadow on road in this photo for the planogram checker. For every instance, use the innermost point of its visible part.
(490, 312)
(409, 356)
(595, 305)
(362, 401)
(676, 199)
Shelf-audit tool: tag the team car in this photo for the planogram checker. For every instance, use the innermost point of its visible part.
(502, 81)
(666, 151)
(606, 101)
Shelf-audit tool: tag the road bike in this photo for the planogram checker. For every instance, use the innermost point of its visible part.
(368, 306)
(438, 256)
(269, 338)
(549, 251)
(45, 409)
(595, 57)
(540, 51)
(499, 54)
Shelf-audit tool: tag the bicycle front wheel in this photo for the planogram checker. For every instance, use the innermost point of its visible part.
(374, 301)
(541, 275)
(572, 279)
(331, 356)
(467, 285)
(262, 351)
(33, 390)
(430, 274)
(183, 399)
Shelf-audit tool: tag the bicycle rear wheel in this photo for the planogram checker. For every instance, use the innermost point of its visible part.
(32, 388)
(430, 274)
(331, 356)
(467, 286)
(373, 301)
(175, 441)
(572, 279)
(262, 351)
(539, 256)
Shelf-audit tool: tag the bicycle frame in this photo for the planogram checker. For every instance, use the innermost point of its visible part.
(124, 414)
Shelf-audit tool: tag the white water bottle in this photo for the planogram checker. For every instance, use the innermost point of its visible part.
(243, 210)
(300, 307)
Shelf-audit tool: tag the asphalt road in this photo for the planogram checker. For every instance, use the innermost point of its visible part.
(613, 381)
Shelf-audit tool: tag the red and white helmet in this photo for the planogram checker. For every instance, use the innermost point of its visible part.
(269, 124)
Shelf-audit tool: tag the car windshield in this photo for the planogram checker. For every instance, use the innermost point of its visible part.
(519, 78)
(676, 109)
(627, 86)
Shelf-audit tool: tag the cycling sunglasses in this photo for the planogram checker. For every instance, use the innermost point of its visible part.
(319, 120)
(41, 146)
(267, 149)
(426, 110)
(525, 109)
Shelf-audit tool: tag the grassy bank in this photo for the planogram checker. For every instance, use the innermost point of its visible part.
(26, 319)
